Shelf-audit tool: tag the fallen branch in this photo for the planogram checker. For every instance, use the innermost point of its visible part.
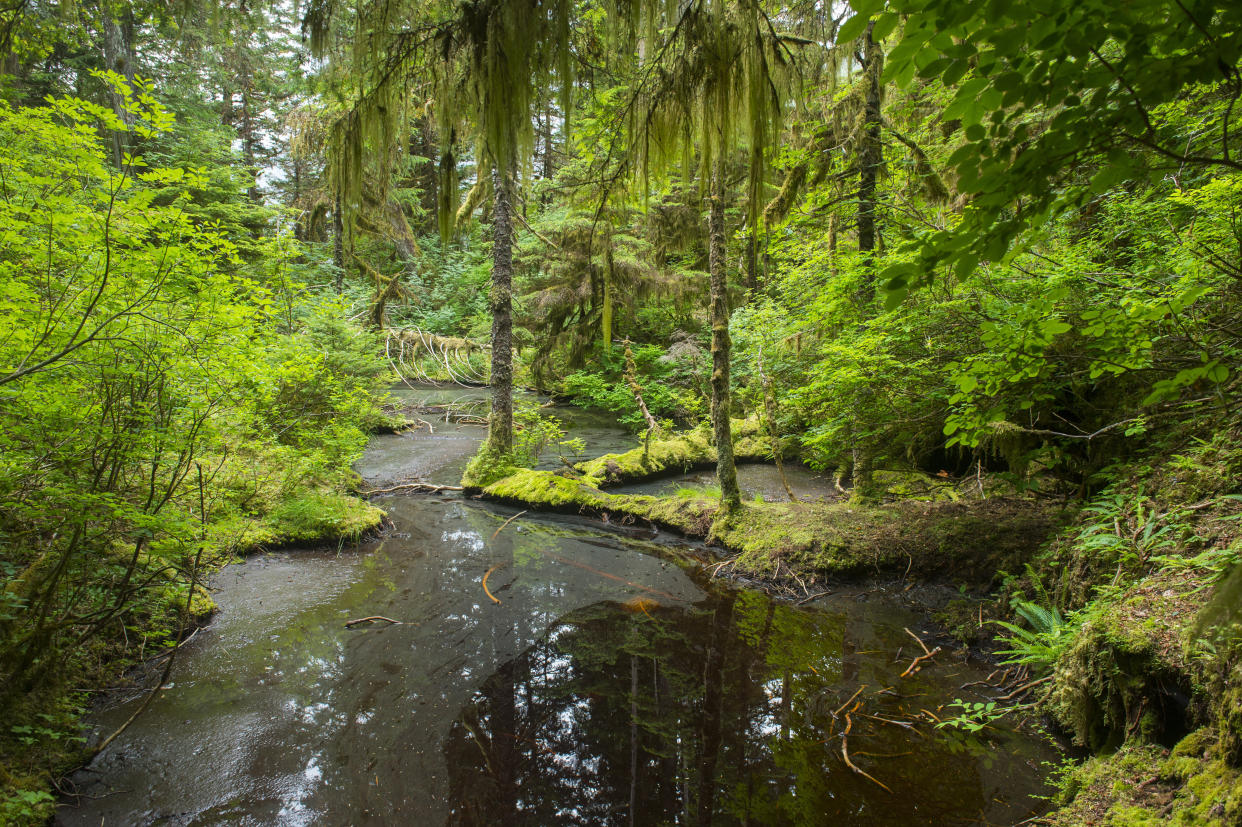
(851, 700)
(926, 651)
(1026, 687)
(914, 664)
(414, 486)
(486, 590)
(809, 598)
(506, 523)
(903, 724)
(349, 624)
(631, 379)
(845, 754)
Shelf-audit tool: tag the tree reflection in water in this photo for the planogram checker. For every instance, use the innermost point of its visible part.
(722, 713)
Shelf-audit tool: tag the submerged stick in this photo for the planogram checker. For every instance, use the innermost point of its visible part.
(857, 692)
(917, 638)
(506, 523)
(914, 664)
(486, 590)
(845, 753)
(349, 624)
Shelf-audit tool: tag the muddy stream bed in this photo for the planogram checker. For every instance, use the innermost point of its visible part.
(614, 683)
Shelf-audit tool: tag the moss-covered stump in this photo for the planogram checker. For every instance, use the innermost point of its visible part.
(1124, 677)
(1144, 784)
(815, 540)
(674, 453)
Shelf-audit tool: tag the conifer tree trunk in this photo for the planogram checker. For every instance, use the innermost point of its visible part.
(726, 470)
(870, 155)
(500, 423)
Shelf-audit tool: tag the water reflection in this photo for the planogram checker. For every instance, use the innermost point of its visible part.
(728, 712)
(609, 686)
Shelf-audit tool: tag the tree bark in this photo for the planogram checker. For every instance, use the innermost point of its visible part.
(870, 156)
(726, 470)
(500, 423)
(119, 57)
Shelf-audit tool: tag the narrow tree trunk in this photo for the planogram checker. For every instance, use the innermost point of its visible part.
(249, 143)
(752, 264)
(605, 314)
(500, 423)
(870, 159)
(726, 471)
(118, 56)
(870, 155)
(338, 244)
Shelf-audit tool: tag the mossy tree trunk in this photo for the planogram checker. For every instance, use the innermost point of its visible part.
(726, 471)
(500, 423)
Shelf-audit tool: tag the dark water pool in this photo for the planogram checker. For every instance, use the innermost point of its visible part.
(613, 683)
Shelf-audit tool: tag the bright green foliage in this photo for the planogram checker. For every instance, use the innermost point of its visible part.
(165, 403)
(1041, 643)
(1042, 90)
(668, 395)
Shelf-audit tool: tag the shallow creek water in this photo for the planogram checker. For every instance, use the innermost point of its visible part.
(614, 683)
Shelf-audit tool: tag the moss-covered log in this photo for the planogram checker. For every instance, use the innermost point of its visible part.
(674, 453)
(971, 542)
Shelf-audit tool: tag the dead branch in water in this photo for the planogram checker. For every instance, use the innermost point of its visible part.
(349, 624)
(1023, 689)
(926, 651)
(486, 590)
(414, 486)
(506, 523)
(914, 665)
(857, 692)
(845, 751)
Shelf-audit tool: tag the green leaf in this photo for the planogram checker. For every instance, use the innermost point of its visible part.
(853, 28)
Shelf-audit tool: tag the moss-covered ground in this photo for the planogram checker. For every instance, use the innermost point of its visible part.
(1147, 677)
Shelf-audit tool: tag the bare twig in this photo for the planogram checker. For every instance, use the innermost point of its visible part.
(349, 624)
(506, 523)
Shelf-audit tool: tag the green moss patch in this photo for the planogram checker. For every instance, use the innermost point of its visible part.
(673, 453)
(1124, 676)
(1141, 785)
(313, 516)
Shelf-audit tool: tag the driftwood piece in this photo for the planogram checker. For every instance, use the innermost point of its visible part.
(414, 486)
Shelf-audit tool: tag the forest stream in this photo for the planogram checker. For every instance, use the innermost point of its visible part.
(602, 677)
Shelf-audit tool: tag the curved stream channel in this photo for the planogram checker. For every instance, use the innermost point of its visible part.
(614, 683)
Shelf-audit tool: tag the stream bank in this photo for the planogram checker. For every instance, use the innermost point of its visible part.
(926, 526)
